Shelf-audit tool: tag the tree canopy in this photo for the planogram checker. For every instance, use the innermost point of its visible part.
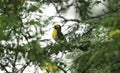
(95, 50)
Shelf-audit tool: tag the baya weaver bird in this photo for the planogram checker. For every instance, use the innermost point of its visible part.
(57, 34)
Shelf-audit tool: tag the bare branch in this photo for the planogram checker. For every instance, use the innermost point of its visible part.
(15, 60)
(24, 67)
(4, 68)
(62, 69)
(66, 20)
(58, 10)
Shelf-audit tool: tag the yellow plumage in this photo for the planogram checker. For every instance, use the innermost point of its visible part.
(50, 67)
(113, 33)
(54, 34)
(57, 34)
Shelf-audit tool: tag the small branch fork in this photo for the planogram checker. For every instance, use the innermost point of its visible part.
(77, 20)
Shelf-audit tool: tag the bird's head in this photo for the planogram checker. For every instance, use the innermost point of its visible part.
(57, 27)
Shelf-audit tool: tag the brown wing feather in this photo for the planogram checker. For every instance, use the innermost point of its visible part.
(61, 36)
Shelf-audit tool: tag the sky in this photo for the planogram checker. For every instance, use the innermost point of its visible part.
(50, 11)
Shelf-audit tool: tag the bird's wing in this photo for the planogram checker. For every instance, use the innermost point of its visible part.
(61, 36)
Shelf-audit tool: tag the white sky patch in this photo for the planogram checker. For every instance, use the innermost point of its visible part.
(49, 10)
(99, 9)
(32, 69)
(1, 71)
(71, 13)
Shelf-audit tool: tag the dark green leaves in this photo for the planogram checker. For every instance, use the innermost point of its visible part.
(21, 30)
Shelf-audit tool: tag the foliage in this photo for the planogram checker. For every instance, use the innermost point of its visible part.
(94, 50)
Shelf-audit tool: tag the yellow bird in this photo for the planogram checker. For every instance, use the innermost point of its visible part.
(57, 34)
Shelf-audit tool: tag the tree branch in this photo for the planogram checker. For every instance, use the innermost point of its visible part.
(14, 63)
(62, 69)
(4, 68)
(76, 20)
(58, 10)
(66, 20)
(24, 67)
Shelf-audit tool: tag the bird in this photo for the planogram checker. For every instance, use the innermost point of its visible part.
(60, 40)
(57, 35)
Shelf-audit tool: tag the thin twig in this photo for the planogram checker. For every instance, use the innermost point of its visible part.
(66, 20)
(24, 67)
(14, 63)
(62, 69)
(4, 68)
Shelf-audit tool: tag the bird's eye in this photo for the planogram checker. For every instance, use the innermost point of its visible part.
(57, 27)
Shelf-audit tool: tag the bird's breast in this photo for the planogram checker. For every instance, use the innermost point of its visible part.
(54, 34)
